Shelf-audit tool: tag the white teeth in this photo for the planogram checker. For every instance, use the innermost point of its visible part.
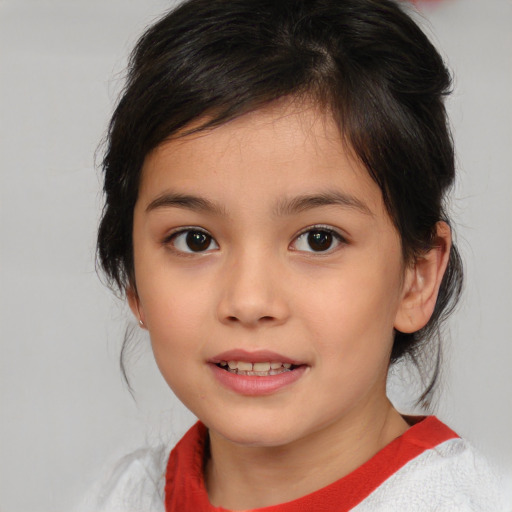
(244, 367)
(261, 367)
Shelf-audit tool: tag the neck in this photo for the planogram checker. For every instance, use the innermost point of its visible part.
(240, 477)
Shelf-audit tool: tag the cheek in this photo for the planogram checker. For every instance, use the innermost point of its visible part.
(175, 314)
(175, 308)
(170, 294)
(351, 315)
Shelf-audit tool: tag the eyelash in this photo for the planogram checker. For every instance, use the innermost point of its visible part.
(337, 238)
(170, 240)
(320, 228)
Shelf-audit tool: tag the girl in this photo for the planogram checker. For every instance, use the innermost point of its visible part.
(275, 178)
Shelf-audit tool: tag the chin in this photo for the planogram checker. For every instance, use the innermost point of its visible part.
(251, 432)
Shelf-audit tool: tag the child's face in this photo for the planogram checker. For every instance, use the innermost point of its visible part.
(264, 241)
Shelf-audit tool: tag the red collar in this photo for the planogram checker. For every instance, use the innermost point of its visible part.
(185, 489)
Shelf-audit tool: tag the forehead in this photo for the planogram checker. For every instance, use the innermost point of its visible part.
(282, 149)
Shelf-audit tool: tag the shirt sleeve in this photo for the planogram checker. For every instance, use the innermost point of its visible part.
(449, 477)
(135, 484)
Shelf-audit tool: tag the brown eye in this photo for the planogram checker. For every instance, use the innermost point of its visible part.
(198, 241)
(193, 240)
(318, 240)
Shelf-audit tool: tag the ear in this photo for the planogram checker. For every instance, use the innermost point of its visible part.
(135, 306)
(422, 282)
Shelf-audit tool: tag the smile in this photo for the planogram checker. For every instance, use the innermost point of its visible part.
(260, 369)
(256, 372)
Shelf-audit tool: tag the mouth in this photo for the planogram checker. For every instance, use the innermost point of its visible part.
(258, 369)
(256, 373)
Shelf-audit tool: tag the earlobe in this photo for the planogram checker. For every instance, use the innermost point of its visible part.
(134, 303)
(422, 282)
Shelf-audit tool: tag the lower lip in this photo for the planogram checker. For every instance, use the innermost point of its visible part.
(252, 385)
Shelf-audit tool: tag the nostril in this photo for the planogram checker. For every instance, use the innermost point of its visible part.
(263, 319)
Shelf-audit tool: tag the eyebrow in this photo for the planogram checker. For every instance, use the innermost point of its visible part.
(330, 198)
(194, 203)
(283, 208)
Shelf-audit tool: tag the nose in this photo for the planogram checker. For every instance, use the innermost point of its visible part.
(253, 292)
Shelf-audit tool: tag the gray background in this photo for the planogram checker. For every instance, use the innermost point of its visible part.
(64, 411)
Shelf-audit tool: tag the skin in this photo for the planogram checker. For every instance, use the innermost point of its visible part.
(259, 285)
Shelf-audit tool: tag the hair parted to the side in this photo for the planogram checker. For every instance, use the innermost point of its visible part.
(365, 62)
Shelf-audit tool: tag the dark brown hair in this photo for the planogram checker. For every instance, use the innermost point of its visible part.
(366, 62)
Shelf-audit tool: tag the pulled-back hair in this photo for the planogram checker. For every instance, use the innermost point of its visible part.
(365, 62)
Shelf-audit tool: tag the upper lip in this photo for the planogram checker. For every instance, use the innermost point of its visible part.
(257, 356)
